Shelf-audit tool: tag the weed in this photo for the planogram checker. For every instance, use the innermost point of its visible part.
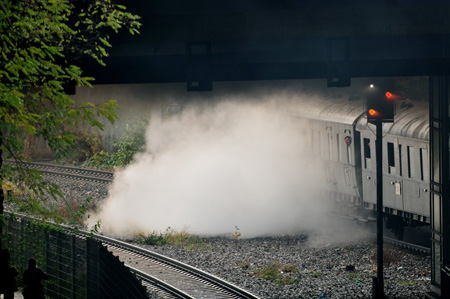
(271, 272)
(275, 273)
(154, 238)
(351, 275)
(286, 280)
(289, 269)
(173, 237)
(198, 246)
(236, 234)
(316, 275)
(390, 256)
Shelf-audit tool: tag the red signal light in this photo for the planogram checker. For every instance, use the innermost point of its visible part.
(391, 96)
(373, 112)
(380, 106)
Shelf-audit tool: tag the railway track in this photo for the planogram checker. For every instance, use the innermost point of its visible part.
(169, 278)
(98, 176)
(406, 245)
(386, 239)
(162, 276)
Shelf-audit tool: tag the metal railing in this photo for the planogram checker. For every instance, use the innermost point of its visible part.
(77, 266)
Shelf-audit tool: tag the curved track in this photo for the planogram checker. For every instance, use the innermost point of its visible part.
(162, 276)
(170, 278)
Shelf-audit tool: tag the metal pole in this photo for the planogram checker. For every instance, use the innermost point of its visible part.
(379, 153)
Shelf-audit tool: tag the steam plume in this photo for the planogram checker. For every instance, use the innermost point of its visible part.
(217, 166)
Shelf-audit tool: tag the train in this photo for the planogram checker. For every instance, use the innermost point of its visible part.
(337, 131)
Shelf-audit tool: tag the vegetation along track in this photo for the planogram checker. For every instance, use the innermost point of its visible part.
(170, 278)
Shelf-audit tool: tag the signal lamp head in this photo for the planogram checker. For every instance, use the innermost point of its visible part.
(373, 112)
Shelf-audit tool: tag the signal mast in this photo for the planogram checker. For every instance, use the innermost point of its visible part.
(380, 108)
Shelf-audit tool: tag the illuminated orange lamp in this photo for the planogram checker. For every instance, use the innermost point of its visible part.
(391, 96)
(373, 112)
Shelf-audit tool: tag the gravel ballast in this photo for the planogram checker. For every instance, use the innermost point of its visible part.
(309, 264)
(326, 268)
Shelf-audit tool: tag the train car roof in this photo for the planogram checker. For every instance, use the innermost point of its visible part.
(338, 108)
(411, 121)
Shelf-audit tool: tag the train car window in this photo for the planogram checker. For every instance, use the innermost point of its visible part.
(338, 140)
(391, 158)
(400, 166)
(436, 167)
(411, 164)
(367, 155)
(319, 143)
(423, 163)
(330, 147)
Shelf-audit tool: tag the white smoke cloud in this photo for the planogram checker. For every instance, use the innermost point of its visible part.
(216, 167)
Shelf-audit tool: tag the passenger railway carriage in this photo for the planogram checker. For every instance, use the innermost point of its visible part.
(338, 132)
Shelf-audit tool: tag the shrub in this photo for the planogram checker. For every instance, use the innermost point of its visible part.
(131, 143)
(124, 148)
(87, 144)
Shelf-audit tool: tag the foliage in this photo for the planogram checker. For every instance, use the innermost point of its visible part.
(131, 143)
(173, 237)
(154, 239)
(279, 274)
(87, 144)
(125, 148)
(43, 42)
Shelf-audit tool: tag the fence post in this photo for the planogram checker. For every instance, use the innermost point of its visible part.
(74, 267)
(93, 265)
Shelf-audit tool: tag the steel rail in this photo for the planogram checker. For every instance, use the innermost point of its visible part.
(161, 275)
(410, 246)
(389, 240)
(190, 281)
(100, 176)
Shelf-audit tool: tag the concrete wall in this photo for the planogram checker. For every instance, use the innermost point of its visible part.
(136, 101)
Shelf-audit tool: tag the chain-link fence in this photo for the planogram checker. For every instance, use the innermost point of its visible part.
(77, 266)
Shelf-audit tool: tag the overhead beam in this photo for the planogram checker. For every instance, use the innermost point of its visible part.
(286, 59)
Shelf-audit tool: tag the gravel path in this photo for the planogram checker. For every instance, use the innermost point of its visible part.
(306, 265)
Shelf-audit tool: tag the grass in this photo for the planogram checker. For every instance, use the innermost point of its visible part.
(279, 274)
(351, 275)
(173, 237)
